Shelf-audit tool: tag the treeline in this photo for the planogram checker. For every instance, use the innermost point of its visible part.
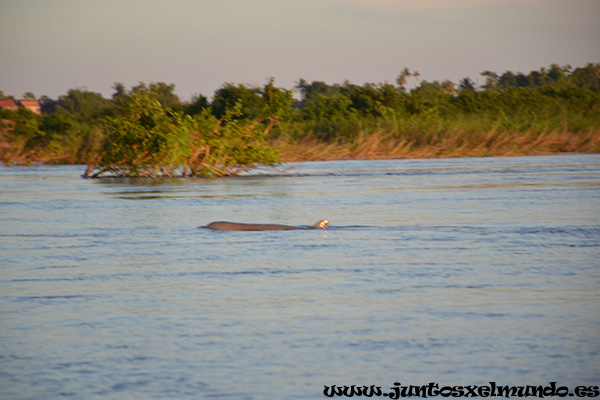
(148, 130)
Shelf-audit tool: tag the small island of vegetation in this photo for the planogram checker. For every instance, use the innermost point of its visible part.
(149, 131)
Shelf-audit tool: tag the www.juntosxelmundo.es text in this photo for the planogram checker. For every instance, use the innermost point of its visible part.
(433, 389)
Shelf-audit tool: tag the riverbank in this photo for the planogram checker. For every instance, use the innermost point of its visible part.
(377, 145)
(148, 129)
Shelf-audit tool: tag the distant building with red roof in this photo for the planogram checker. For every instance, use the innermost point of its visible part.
(9, 105)
(32, 105)
(37, 106)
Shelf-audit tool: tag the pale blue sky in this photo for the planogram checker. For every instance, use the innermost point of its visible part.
(50, 46)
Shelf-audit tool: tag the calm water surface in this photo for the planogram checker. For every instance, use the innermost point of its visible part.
(457, 271)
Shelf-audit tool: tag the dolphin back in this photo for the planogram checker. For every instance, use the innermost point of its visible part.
(236, 226)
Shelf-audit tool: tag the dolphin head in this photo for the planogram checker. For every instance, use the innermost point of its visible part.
(321, 224)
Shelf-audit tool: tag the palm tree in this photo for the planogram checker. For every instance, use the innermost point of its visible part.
(402, 78)
(416, 75)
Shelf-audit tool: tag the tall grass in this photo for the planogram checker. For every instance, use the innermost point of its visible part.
(457, 137)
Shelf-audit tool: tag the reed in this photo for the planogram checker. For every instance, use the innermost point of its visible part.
(442, 143)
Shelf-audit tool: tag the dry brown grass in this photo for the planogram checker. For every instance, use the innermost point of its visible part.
(449, 144)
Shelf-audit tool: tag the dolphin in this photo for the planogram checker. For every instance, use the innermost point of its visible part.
(236, 226)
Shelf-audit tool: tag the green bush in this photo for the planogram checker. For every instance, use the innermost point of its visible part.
(229, 146)
(144, 138)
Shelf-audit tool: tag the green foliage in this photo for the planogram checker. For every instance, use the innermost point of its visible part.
(85, 105)
(467, 85)
(165, 94)
(229, 146)
(228, 96)
(144, 138)
(430, 98)
(277, 108)
(51, 138)
(372, 100)
(311, 92)
(27, 126)
(277, 102)
(198, 104)
(238, 141)
(62, 138)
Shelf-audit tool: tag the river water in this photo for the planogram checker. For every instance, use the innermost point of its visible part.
(457, 271)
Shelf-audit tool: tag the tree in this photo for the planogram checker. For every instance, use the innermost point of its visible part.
(588, 76)
(143, 139)
(278, 104)
(165, 94)
(466, 85)
(539, 78)
(430, 98)
(197, 105)
(61, 124)
(491, 81)
(311, 91)
(507, 80)
(402, 79)
(558, 74)
(120, 91)
(25, 135)
(85, 105)
(29, 95)
(522, 80)
(366, 99)
(228, 96)
(416, 75)
(449, 88)
(329, 116)
(229, 146)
